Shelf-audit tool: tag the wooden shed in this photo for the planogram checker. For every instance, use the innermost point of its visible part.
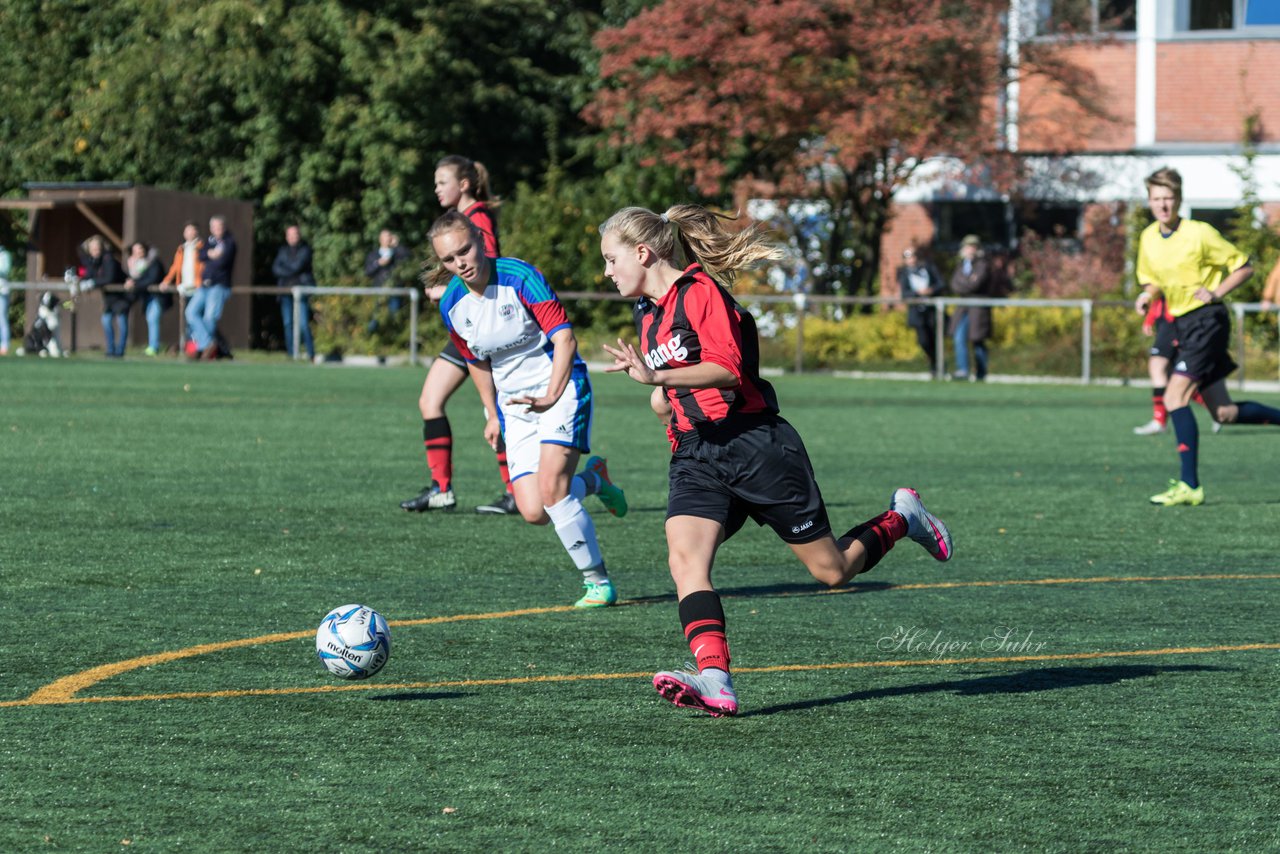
(61, 216)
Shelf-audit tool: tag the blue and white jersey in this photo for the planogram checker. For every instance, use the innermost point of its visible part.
(510, 325)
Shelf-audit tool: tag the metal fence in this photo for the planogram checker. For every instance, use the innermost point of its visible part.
(799, 305)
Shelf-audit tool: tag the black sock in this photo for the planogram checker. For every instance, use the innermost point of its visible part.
(1188, 434)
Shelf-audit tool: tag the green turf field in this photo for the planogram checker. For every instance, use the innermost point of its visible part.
(1089, 673)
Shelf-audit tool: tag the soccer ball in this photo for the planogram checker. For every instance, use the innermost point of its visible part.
(353, 642)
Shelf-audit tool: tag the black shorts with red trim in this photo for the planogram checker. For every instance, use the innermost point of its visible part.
(1204, 344)
(753, 467)
(451, 355)
(1166, 340)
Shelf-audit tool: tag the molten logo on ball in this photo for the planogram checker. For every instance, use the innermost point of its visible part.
(353, 642)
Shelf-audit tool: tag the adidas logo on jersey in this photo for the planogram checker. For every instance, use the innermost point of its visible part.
(663, 353)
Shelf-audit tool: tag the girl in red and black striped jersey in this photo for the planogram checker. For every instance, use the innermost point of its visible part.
(733, 456)
(461, 184)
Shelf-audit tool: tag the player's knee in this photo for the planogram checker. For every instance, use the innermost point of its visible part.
(686, 570)
(828, 574)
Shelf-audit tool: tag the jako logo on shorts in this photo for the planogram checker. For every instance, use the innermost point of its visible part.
(664, 353)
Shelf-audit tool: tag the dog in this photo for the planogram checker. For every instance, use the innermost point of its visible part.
(43, 338)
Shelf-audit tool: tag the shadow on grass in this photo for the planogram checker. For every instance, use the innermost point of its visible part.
(790, 588)
(415, 696)
(1024, 682)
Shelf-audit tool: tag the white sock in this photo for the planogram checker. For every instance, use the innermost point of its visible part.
(578, 535)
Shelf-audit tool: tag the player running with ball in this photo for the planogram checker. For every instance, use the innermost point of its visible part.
(734, 457)
(523, 358)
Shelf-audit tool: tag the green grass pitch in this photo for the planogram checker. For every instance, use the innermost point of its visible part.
(1089, 673)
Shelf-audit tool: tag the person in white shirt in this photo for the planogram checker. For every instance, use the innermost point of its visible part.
(522, 356)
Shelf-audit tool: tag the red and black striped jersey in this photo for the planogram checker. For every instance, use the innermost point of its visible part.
(484, 219)
(699, 321)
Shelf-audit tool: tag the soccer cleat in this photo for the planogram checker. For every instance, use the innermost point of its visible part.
(922, 526)
(1217, 426)
(431, 498)
(504, 506)
(151, 351)
(1179, 493)
(1151, 428)
(600, 595)
(613, 498)
(714, 696)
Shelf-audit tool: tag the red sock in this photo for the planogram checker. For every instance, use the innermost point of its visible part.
(1158, 411)
(1199, 398)
(878, 535)
(438, 439)
(703, 621)
(503, 469)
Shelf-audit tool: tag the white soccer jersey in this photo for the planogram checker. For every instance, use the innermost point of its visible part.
(511, 326)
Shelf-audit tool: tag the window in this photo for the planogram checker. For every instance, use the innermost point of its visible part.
(1220, 218)
(1252, 18)
(1261, 13)
(956, 219)
(1210, 14)
(1058, 221)
(1085, 17)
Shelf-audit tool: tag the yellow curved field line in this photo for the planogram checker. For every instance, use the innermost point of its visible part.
(64, 690)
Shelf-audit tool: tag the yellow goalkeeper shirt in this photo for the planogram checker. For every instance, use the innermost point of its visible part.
(1193, 257)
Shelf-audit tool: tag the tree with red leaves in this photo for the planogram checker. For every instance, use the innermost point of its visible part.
(833, 101)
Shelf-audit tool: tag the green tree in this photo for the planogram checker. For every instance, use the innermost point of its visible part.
(831, 103)
(325, 113)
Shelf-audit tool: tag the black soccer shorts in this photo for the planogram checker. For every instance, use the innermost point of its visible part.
(1204, 345)
(756, 468)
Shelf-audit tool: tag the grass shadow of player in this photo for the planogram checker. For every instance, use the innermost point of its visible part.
(1023, 682)
(418, 696)
(790, 588)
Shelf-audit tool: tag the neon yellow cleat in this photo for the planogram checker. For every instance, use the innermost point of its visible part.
(1179, 493)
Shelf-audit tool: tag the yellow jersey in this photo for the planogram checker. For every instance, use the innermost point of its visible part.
(1193, 257)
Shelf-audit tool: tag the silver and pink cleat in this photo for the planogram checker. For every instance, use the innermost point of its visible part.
(922, 526)
(704, 692)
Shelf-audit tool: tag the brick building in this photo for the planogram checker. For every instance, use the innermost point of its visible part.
(1180, 79)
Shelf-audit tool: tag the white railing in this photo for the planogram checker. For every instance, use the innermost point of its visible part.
(801, 304)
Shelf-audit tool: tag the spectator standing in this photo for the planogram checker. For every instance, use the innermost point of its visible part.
(143, 272)
(971, 324)
(292, 267)
(6, 268)
(205, 308)
(185, 275)
(380, 265)
(100, 268)
(918, 278)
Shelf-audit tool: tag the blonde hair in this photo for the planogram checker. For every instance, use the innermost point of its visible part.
(433, 272)
(698, 235)
(1168, 178)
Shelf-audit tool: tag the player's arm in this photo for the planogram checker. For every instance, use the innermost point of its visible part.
(565, 346)
(482, 375)
(1234, 279)
(1220, 252)
(701, 375)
